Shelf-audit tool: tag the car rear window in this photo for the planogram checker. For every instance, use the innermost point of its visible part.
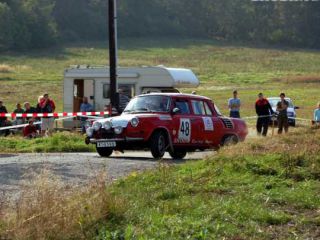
(198, 107)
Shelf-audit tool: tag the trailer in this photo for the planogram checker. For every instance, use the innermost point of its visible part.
(94, 82)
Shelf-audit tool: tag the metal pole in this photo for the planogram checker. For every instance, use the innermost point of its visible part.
(113, 52)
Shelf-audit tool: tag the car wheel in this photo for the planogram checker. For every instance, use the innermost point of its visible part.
(230, 140)
(158, 145)
(104, 152)
(293, 124)
(178, 154)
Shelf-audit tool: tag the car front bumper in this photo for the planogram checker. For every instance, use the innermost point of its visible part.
(117, 140)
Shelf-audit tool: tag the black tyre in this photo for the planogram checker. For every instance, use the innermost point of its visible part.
(229, 140)
(158, 145)
(178, 153)
(293, 124)
(104, 152)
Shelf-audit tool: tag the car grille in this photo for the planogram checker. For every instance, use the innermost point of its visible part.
(107, 134)
(227, 123)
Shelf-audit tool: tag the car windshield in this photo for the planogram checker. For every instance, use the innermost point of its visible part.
(217, 110)
(273, 102)
(148, 104)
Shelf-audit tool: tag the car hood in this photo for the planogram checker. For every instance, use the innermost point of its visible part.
(124, 119)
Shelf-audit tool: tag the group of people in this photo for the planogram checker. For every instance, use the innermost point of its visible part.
(44, 105)
(265, 113)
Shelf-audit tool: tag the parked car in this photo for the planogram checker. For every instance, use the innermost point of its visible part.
(291, 109)
(166, 122)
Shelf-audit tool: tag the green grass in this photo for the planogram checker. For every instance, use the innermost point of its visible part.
(58, 142)
(257, 190)
(250, 191)
(220, 67)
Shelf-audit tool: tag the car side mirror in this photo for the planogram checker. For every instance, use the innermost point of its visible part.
(296, 107)
(175, 110)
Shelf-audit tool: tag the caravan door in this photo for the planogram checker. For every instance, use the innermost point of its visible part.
(83, 88)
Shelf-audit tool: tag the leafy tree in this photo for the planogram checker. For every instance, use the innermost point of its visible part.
(6, 21)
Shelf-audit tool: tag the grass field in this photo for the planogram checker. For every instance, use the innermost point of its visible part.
(221, 68)
(254, 190)
(58, 142)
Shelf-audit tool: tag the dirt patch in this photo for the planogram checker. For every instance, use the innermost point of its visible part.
(4, 68)
(298, 79)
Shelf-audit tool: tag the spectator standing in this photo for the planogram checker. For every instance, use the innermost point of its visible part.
(316, 115)
(282, 108)
(85, 107)
(263, 110)
(29, 109)
(18, 110)
(234, 105)
(30, 131)
(3, 109)
(123, 100)
(3, 120)
(47, 106)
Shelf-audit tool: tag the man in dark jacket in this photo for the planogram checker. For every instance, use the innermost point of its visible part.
(3, 120)
(3, 109)
(264, 111)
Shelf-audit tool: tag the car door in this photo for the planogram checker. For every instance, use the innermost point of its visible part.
(204, 122)
(219, 124)
(185, 127)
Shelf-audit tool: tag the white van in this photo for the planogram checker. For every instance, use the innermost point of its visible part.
(94, 83)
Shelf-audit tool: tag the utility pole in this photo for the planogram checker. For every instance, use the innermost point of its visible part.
(113, 53)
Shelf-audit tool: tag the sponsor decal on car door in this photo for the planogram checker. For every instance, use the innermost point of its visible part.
(208, 123)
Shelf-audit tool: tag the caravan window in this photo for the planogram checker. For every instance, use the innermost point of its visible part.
(106, 91)
(127, 89)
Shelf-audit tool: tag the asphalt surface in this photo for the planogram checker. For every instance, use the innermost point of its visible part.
(74, 168)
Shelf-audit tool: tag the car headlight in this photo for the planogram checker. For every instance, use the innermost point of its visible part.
(118, 130)
(107, 125)
(134, 122)
(89, 131)
(96, 126)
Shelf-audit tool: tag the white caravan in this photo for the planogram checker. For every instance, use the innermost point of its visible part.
(94, 83)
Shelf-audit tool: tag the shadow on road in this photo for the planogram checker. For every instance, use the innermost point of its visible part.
(7, 155)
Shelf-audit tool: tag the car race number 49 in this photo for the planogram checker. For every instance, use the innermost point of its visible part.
(184, 130)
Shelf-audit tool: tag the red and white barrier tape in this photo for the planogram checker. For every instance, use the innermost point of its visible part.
(55, 115)
(270, 116)
(24, 125)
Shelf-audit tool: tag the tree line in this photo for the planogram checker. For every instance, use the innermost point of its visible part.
(27, 24)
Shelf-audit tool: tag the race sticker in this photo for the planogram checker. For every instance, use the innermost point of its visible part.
(184, 131)
(208, 124)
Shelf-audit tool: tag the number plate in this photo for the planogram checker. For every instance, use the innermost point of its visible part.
(106, 144)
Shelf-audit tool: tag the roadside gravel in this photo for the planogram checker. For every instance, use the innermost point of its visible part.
(74, 168)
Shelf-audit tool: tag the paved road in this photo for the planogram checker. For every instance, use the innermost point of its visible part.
(74, 168)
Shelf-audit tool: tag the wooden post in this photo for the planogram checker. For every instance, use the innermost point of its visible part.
(113, 52)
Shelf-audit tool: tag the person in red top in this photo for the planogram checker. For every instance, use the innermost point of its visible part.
(264, 111)
(30, 131)
(46, 106)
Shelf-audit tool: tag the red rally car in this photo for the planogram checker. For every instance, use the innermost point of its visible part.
(166, 122)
